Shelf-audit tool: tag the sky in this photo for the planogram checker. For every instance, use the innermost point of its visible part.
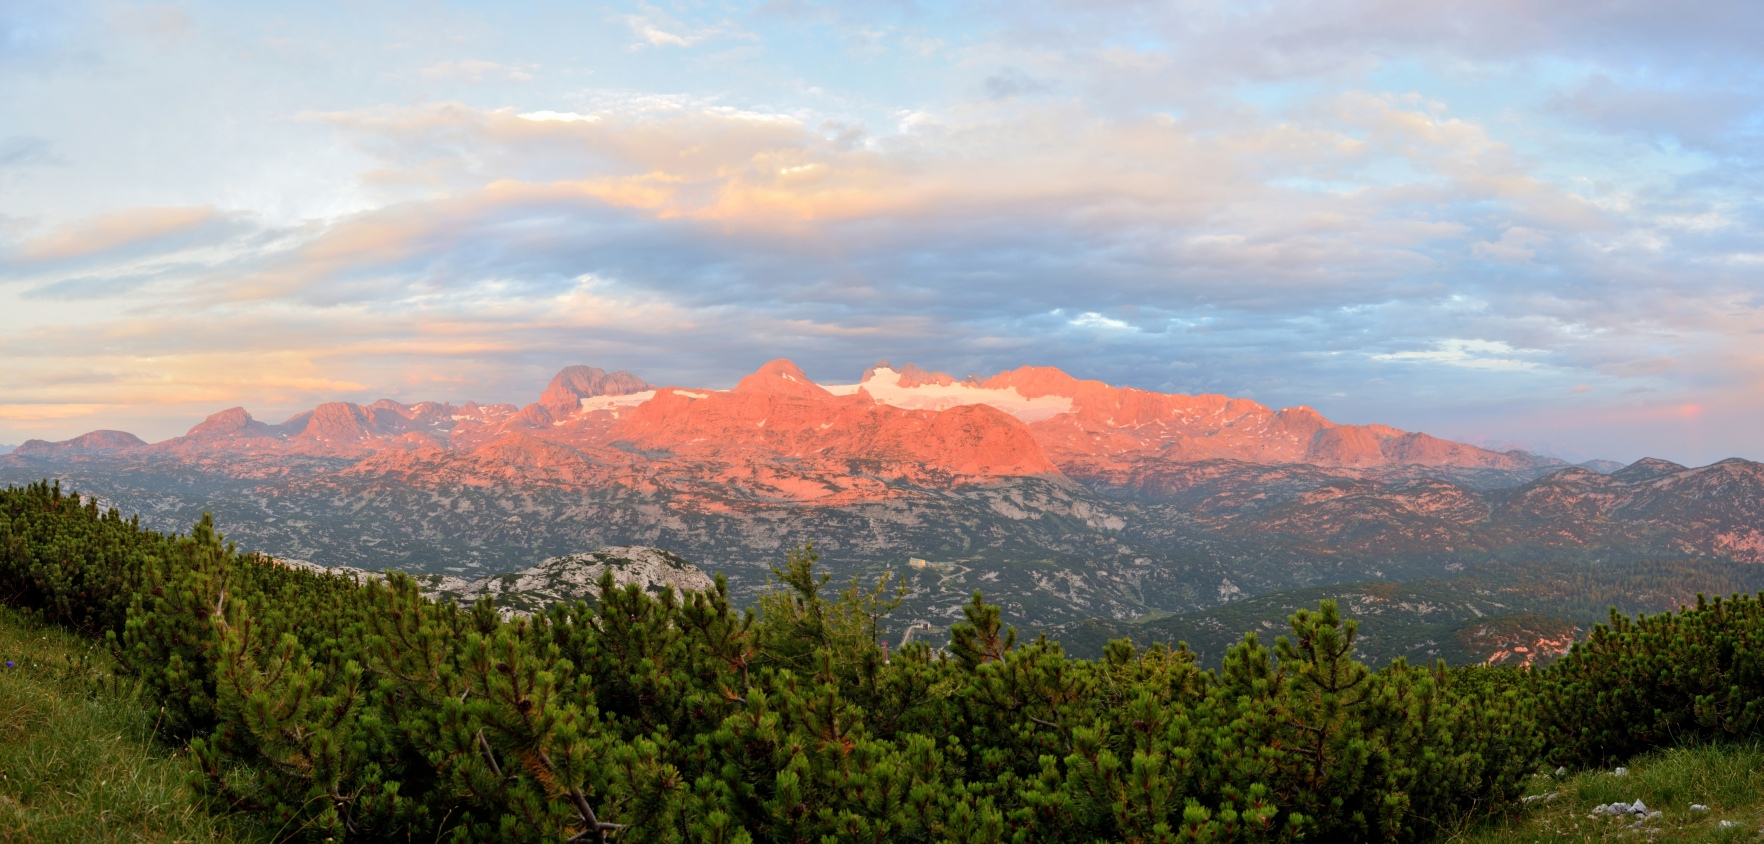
(1532, 224)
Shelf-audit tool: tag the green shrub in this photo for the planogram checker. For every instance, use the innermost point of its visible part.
(363, 711)
(1657, 681)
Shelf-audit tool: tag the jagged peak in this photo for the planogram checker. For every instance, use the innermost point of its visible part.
(337, 420)
(574, 383)
(339, 410)
(912, 376)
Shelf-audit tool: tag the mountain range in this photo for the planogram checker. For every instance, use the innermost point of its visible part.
(1066, 500)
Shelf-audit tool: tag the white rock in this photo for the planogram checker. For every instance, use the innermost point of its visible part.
(1698, 807)
(1620, 772)
(1637, 809)
(1727, 824)
(575, 576)
(567, 578)
(1562, 771)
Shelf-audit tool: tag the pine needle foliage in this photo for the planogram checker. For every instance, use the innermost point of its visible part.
(1658, 681)
(362, 711)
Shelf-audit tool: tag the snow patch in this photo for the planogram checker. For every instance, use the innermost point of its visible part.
(610, 402)
(883, 385)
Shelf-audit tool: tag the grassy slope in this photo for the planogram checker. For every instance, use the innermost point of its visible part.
(77, 757)
(1727, 779)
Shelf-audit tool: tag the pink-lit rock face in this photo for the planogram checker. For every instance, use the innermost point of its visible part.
(778, 438)
(1120, 436)
(564, 395)
(789, 438)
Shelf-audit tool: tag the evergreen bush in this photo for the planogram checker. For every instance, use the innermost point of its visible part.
(364, 711)
(1690, 676)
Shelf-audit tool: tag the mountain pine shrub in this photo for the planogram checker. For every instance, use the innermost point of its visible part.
(351, 711)
(1656, 681)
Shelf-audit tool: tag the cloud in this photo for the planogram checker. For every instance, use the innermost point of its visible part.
(712, 212)
(1440, 217)
(1517, 245)
(114, 231)
(656, 28)
(1469, 354)
(87, 287)
(1011, 83)
(559, 116)
(1702, 112)
(20, 151)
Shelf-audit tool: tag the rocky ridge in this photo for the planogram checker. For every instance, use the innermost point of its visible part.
(1061, 498)
(96, 442)
(562, 579)
(782, 437)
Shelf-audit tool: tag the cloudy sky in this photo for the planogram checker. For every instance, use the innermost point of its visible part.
(1511, 222)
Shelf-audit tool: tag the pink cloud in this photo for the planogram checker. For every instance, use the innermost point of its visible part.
(112, 231)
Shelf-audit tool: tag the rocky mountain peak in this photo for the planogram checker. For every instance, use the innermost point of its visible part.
(574, 383)
(1646, 469)
(782, 377)
(232, 422)
(912, 376)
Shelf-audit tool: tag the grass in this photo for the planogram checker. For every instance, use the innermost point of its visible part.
(1729, 779)
(78, 760)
